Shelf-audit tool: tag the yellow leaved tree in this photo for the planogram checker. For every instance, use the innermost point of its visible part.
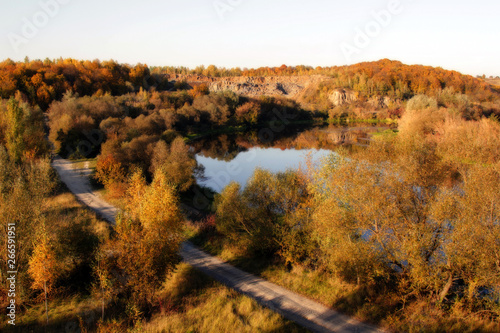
(43, 267)
(148, 238)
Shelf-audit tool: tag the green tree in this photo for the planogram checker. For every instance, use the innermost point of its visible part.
(262, 215)
(15, 128)
(176, 162)
(232, 217)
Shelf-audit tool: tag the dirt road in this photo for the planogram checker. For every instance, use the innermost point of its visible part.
(305, 312)
(311, 315)
(76, 179)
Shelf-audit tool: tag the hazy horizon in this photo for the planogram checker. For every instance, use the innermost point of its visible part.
(454, 35)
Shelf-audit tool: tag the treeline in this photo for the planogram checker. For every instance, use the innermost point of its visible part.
(397, 80)
(413, 219)
(43, 82)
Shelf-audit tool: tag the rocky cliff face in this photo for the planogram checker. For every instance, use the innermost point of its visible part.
(381, 102)
(284, 86)
(342, 96)
(292, 87)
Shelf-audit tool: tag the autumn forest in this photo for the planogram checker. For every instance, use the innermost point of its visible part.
(399, 227)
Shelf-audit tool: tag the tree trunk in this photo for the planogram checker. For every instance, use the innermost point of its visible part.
(102, 305)
(46, 307)
(446, 288)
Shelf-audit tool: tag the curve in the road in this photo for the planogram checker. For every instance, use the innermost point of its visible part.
(77, 181)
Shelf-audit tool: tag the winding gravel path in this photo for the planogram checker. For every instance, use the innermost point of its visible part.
(307, 313)
(77, 180)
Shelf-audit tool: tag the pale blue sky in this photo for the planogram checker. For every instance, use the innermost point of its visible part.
(463, 35)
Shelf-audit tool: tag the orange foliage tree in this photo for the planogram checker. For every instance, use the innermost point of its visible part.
(109, 170)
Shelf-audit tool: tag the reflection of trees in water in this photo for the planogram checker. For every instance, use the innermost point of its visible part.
(222, 147)
(333, 136)
(227, 146)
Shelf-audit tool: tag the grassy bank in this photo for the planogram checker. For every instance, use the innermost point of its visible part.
(351, 121)
(196, 303)
(191, 302)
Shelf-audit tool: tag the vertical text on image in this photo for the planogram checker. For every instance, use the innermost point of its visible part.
(11, 273)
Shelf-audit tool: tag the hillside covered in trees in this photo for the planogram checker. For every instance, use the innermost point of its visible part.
(45, 81)
(42, 82)
(384, 77)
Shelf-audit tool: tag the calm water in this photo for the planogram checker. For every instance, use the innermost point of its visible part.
(219, 173)
(234, 157)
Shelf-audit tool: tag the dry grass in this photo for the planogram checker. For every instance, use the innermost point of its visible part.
(422, 316)
(470, 141)
(64, 316)
(191, 301)
(196, 303)
(64, 211)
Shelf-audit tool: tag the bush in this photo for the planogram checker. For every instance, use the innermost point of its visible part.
(199, 90)
(421, 102)
(259, 216)
(248, 112)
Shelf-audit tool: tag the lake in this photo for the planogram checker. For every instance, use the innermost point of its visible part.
(234, 157)
(219, 173)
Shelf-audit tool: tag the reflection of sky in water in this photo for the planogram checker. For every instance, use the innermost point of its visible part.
(220, 173)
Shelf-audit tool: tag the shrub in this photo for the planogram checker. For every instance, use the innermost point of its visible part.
(421, 102)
